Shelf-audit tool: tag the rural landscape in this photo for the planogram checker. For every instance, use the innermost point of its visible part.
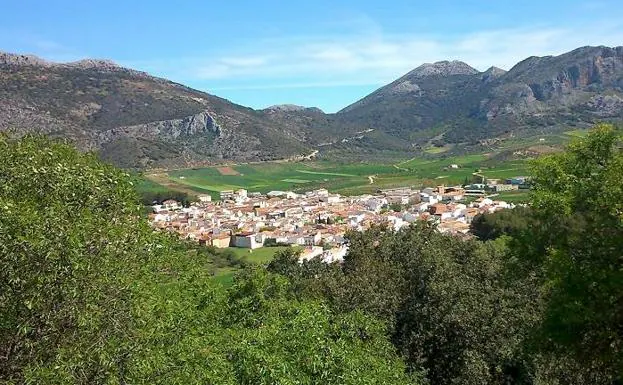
(301, 193)
(346, 178)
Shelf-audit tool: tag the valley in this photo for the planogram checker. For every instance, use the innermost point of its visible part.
(498, 159)
(338, 177)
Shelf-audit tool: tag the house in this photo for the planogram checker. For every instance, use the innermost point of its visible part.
(454, 227)
(400, 199)
(171, 204)
(438, 208)
(226, 195)
(330, 199)
(321, 192)
(482, 202)
(310, 252)
(470, 214)
(505, 187)
(242, 193)
(205, 198)
(397, 191)
(410, 217)
(375, 204)
(221, 240)
(275, 194)
(518, 180)
(335, 254)
(247, 240)
(312, 239)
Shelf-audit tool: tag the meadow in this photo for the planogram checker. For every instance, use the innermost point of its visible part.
(339, 177)
(259, 256)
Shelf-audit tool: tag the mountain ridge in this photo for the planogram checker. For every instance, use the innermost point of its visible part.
(133, 119)
(575, 88)
(137, 120)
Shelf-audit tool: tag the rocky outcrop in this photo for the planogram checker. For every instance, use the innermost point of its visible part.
(492, 74)
(9, 59)
(605, 106)
(133, 119)
(442, 68)
(577, 88)
(200, 124)
(406, 86)
(136, 120)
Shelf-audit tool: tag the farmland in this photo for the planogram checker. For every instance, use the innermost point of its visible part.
(338, 177)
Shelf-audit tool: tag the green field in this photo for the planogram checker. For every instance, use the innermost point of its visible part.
(519, 196)
(257, 256)
(260, 256)
(343, 178)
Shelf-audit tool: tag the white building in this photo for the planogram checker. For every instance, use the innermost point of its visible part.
(247, 241)
(310, 252)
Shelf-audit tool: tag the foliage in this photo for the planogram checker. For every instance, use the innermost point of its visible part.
(576, 250)
(70, 246)
(450, 311)
(504, 222)
(89, 294)
(396, 207)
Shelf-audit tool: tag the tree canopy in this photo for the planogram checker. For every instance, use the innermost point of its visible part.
(577, 249)
(89, 294)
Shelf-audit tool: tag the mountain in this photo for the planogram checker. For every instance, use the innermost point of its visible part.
(133, 119)
(139, 121)
(454, 103)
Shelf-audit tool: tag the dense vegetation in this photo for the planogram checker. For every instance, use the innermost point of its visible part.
(90, 294)
(538, 302)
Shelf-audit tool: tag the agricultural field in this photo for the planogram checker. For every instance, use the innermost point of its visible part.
(342, 178)
(518, 196)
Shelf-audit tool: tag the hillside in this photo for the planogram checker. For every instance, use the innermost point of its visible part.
(455, 103)
(132, 118)
(136, 120)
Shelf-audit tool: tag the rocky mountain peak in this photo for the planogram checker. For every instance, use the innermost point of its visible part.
(291, 108)
(21, 60)
(32, 60)
(492, 73)
(443, 68)
(94, 63)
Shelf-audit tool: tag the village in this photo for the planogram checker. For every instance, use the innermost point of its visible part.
(317, 221)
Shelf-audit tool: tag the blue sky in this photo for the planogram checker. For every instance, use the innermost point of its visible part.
(315, 53)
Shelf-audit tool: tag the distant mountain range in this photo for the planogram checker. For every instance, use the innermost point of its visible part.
(138, 121)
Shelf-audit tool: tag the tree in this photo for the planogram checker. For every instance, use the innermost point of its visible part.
(576, 249)
(504, 222)
(70, 247)
(89, 294)
(396, 207)
(450, 311)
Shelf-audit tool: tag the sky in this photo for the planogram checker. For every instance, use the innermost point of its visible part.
(321, 53)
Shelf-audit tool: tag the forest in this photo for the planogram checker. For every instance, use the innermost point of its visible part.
(90, 294)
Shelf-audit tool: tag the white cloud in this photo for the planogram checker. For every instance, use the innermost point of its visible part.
(242, 61)
(372, 58)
